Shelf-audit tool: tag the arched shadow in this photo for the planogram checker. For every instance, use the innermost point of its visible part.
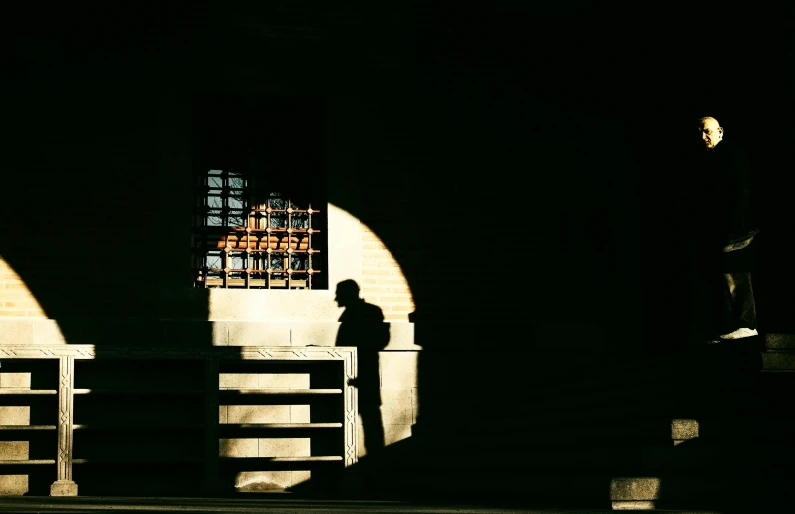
(82, 225)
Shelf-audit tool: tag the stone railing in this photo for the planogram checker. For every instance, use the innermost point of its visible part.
(212, 358)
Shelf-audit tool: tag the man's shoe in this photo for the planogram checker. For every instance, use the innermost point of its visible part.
(740, 333)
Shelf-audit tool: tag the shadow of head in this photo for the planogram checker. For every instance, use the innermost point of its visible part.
(347, 293)
(361, 324)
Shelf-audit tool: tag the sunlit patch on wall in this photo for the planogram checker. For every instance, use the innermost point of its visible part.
(18, 310)
(16, 300)
(383, 282)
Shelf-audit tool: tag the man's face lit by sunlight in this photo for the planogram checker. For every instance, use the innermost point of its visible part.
(711, 132)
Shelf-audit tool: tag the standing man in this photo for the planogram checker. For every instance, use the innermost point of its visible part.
(723, 229)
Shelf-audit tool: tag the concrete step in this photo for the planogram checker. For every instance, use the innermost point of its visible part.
(749, 492)
(539, 459)
(732, 429)
(697, 458)
(710, 444)
(778, 361)
(273, 504)
(575, 432)
(547, 489)
(780, 341)
(582, 490)
(632, 399)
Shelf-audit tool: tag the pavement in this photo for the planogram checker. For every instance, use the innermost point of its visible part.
(83, 504)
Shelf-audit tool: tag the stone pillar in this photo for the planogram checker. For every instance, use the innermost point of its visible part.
(64, 485)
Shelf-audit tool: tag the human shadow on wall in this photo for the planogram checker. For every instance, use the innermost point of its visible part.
(362, 326)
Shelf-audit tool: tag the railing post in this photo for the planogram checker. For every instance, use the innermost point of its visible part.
(350, 366)
(64, 485)
(211, 429)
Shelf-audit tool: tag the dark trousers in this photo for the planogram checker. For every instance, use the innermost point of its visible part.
(739, 309)
(736, 291)
(721, 295)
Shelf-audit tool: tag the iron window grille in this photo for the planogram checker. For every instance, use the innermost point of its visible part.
(248, 236)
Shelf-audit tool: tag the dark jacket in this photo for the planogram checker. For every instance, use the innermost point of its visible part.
(718, 195)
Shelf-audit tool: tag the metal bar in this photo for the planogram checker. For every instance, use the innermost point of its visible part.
(289, 257)
(203, 258)
(284, 210)
(309, 245)
(268, 228)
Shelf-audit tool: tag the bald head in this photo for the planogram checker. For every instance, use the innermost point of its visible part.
(711, 132)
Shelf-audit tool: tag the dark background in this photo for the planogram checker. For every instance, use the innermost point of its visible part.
(562, 120)
(518, 161)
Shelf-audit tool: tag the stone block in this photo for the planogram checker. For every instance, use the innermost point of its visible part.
(237, 448)
(13, 485)
(259, 333)
(284, 380)
(415, 405)
(633, 505)
(305, 333)
(47, 331)
(14, 450)
(301, 476)
(300, 414)
(401, 336)
(398, 369)
(683, 429)
(285, 447)
(634, 489)
(238, 380)
(15, 380)
(63, 488)
(396, 406)
(15, 415)
(16, 331)
(395, 433)
(191, 333)
(263, 481)
(259, 414)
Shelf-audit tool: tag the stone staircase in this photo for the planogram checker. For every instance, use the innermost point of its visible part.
(735, 447)
(697, 428)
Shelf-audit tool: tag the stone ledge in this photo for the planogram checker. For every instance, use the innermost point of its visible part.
(778, 361)
(186, 333)
(16, 331)
(84, 351)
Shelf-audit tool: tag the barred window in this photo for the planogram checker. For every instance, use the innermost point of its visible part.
(259, 219)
